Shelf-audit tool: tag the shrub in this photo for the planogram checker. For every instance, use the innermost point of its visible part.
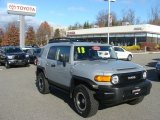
(131, 48)
(157, 46)
(149, 46)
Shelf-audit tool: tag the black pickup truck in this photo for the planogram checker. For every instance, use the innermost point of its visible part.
(13, 55)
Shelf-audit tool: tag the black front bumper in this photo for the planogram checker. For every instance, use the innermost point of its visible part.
(119, 94)
(18, 62)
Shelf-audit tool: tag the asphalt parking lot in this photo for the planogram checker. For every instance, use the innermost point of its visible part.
(20, 100)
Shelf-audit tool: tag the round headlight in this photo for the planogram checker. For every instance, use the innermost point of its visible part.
(115, 79)
(144, 75)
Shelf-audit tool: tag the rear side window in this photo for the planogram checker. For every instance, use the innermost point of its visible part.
(56, 51)
(52, 53)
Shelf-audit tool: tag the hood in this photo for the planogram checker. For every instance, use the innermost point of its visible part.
(16, 53)
(105, 67)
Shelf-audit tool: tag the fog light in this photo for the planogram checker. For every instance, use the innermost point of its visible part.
(115, 79)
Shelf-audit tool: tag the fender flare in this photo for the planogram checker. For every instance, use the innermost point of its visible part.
(76, 80)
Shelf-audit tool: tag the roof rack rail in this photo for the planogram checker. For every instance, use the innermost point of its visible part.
(65, 39)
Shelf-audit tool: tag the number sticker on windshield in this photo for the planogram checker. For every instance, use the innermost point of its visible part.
(97, 48)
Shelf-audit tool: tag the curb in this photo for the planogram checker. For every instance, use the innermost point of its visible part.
(146, 53)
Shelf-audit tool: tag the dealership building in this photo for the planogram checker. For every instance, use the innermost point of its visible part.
(119, 35)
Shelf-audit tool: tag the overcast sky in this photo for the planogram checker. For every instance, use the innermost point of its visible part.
(68, 12)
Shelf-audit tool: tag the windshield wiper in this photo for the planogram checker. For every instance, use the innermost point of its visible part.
(109, 58)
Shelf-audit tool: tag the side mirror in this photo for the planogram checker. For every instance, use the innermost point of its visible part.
(62, 58)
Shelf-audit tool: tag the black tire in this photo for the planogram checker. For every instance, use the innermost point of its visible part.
(158, 76)
(27, 65)
(7, 65)
(84, 102)
(129, 58)
(42, 84)
(136, 101)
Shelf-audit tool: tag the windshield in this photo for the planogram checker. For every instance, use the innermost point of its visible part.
(12, 49)
(94, 53)
(37, 51)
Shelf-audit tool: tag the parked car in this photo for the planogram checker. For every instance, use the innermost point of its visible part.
(158, 69)
(122, 53)
(33, 54)
(89, 76)
(13, 55)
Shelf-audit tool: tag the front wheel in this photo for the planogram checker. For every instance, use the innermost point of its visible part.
(85, 103)
(27, 65)
(7, 65)
(158, 76)
(35, 61)
(136, 101)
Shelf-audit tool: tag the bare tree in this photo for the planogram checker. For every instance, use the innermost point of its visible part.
(102, 19)
(129, 16)
(76, 26)
(154, 16)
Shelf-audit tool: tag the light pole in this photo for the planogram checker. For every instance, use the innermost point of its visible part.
(109, 16)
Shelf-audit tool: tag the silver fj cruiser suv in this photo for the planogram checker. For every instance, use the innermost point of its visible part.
(91, 74)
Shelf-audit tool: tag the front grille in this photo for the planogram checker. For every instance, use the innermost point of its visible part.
(20, 57)
(129, 78)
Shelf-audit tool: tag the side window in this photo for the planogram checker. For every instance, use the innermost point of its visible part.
(115, 49)
(120, 49)
(52, 53)
(63, 50)
(42, 50)
(29, 52)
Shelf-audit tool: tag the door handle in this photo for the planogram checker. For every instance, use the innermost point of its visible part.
(53, 65)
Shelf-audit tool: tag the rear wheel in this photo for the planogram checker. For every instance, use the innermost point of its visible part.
(85, 103)
(129, 57)
(136, 101)
(42, 84)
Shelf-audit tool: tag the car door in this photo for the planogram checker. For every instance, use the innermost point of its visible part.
(56, 72)
(120, 52)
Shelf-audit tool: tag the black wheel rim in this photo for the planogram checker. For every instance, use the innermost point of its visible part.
(40, 84)
(80, 101)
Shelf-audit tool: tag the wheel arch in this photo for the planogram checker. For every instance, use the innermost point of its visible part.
(76, 80)
(40, 70)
